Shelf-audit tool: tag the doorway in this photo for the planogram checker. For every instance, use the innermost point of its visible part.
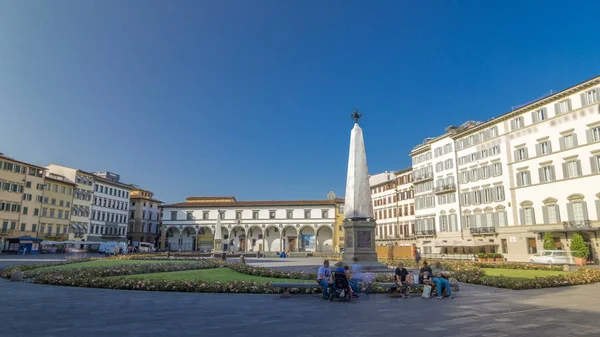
(588, 243)
(292, 244)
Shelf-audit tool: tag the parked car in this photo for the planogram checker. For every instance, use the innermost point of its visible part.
(551, 257)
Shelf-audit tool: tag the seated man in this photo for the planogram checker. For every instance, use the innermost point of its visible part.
(440, 279)
(425, 275)
(402, 280)
(353, 283)
(324, 278)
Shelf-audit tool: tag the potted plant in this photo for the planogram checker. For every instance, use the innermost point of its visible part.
(579, 250)
(498, 257)
(481, 257)
(549, 241)
(490, 257)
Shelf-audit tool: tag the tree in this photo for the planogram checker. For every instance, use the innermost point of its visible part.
(578, 247)
(549, 241)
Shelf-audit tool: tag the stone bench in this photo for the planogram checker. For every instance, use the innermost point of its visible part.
(299, 285)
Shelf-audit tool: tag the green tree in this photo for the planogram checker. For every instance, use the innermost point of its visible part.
(578, 247)
(549, 241)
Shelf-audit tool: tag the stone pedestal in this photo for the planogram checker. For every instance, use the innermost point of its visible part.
(360, 243)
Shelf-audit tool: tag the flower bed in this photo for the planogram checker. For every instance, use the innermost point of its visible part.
(451, 265)
(6, 272)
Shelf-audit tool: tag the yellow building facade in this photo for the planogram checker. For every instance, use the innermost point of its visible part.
(56, 208)
(21, 193)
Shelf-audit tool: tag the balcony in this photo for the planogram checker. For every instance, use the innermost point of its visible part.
(577, 224)
(426, 232)
(424, 177)
(445, 189)
(6, 231)
(483, 230)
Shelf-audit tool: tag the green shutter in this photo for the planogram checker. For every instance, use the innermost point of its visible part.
(557, 109)
(594, 164)
(586, 216)
(533, 222)
(570, 211)
(534, 116)
(588, 136)
(541, 175)
(522, 216)
(575, 143)
(579, 169)
(538, 150)
(557, 213)
(565, 171)
(545, 214)
(583, 100)
(561, 142)
(552, 173)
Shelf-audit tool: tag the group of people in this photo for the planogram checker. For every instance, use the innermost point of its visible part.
(326, 280)
(434, 275)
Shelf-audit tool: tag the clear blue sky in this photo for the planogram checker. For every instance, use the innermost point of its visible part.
(252, 98)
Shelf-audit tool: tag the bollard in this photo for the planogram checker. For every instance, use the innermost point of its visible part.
(16, 276)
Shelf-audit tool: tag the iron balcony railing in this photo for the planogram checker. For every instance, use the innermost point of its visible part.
(423, 177)
(426, 232)
(483, 230)
(577, 224)
(445, 188)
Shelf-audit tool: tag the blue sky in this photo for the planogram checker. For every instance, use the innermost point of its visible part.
(252, 98)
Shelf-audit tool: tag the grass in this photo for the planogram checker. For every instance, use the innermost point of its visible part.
(209, 275)
(103, 263)
(521, 273)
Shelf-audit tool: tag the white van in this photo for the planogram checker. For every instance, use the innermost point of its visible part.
(145, 247)
(551, 257)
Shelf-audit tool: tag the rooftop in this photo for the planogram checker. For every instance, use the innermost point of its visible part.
(254, 203)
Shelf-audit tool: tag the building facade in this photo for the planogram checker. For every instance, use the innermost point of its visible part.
(406, 206)
(81, 211)
(21, 195)
(250, 226)
(144, 217)
(56, 208)
(530, 171)
(110, 208)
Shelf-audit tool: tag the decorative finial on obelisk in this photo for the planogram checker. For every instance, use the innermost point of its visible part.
(356, 116)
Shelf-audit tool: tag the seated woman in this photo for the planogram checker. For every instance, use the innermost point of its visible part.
(403, 280)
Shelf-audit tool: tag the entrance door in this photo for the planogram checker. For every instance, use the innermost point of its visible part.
(588, 243)
(292, 244)
(260, 247)
(243, 245)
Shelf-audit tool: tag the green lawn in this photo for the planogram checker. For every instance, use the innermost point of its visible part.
(209, 275)
(521, 273)
(104, 263)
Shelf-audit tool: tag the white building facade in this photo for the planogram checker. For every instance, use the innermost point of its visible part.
(144, 217)
(250, 226)
(385, 206)
(530, 171)
(81, 212)
(406, 206)
(110, 208)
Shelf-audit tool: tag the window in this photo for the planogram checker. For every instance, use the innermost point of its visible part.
(325, 214)
(188, 216)
(464, 177)
(589, 97)
(53, 201)
(547, 174)
(307, 214)
(205, 215)
(443, 223)
(523, 178)
(531, 246)
(595, 163)
(465, 199)
(289, 214)
(521, 154)
(487, 195)
(34, 227)
(36, 212)
(474, 174)
(60, 213)
(271, 214)
(593, 134)
(527, 215)
(476, 197)
(49, 229)
(51, 213)
(66, 215)
(539, 115)
(501, 218)
(222, 215)
(572, 169)
(517, 123)
(255, 215)
(568, 141)
(466, 221)
(25, 209)
(62, 203)
(543, 148)
(496, 169)
(173, 215)
(551, 214)
(238, 215)
(448, 164)
(562, 106)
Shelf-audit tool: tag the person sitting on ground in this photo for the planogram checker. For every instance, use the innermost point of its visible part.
(440, 279)
(351, 281)
(402, 280)
(324, 278)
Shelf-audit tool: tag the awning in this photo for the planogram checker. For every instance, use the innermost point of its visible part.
(464, 243)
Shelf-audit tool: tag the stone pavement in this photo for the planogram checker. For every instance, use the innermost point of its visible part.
(31, 309)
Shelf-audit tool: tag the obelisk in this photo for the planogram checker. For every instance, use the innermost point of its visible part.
(359, 225)
(218, 236)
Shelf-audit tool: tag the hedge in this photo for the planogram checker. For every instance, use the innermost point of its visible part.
(451, 265)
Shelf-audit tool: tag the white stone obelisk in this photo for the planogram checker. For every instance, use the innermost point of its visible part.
(218, 246)
(359, 225)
